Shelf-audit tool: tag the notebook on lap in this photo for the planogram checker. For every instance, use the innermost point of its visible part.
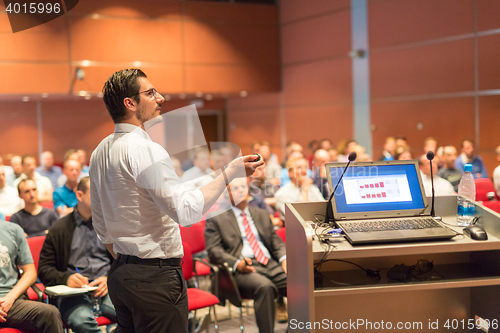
(383, 202)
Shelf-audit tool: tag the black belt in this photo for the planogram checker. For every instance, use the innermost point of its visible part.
(150, 262)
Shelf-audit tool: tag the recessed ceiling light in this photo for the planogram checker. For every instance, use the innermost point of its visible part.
(243, 93)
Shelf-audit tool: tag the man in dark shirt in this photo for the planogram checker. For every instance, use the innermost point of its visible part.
(34, 219)
(448, 171)
(72, 255)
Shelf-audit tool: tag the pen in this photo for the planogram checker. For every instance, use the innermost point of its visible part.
(78, 271)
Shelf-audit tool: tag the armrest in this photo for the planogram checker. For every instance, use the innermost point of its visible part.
(226, 286)
(38, 292)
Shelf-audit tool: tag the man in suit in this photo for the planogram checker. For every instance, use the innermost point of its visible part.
(244, 237)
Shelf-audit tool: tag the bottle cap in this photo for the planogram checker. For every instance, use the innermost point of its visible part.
(468, 167)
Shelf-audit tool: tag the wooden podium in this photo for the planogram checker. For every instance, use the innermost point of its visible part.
(463, 286)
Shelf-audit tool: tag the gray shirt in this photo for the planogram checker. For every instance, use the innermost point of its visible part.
(35, 225)
(14, 251)
(452, 175)
(87, 253)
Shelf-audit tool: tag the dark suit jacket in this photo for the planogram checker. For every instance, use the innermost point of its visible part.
(224, 242)
(54, 257)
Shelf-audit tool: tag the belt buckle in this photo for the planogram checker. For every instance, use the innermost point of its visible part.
(161, 263)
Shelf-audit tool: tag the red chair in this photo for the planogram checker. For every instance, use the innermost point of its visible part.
(48, 204)
(481, 195)
(7, 218)
(486, 185)
(35, 244)
(197, 298)
(493, 205)
(282, 233)
(194, 235)
(13, 330)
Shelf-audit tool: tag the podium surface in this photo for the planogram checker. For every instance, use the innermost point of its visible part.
(460, 292)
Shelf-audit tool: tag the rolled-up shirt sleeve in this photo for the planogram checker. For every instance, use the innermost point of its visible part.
(155, 174)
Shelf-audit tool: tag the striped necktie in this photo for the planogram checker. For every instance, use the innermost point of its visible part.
(257, 251)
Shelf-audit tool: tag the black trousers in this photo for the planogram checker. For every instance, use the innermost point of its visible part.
(263, 287)
(148, 299)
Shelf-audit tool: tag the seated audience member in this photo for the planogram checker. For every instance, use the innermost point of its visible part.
(313, 145)
(72, 255)
(496, 173)
(439, 157)
(6, 168)
(300, 188)
(401, 141)
(82, 157)
(334, 155)
(284, 177)
(71, 154)
(448, 171)
(16, 311)
(441, 186)
(430, 144)
(201, 166)
(467, 156)
(321, 157)
(389, 149)
(273, 168)
(65, 196)
(255, 147)
(43, 184)
(34, 219)
(291, 147)
(176, 164)
(17, 167)
(48, 169)
(325, 144)
(350, 145)
(10, 202)
(244, 238)
(403, 154)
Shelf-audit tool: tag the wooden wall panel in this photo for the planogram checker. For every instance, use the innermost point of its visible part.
(489, 70)
(32, 78)
(448, 120)
(435, 68)
(47, 42)
(402, 21)
(230, 43)
(488, 12)
(129, 9)
(18, 129)
(230, 13)
(489, 137)
(298, 9)
(318, 82)
(316, 38)
(317, 122)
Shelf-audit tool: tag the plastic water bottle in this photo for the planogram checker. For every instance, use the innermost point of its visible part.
(96, 306)
(466, 197)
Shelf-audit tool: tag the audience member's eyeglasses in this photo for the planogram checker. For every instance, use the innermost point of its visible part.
(151, 93)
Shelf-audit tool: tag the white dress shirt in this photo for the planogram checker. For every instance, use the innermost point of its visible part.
(137, 198)
(292, 193)
(10, 202)
(442, 187)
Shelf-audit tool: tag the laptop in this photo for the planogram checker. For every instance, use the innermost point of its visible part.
(383, 202)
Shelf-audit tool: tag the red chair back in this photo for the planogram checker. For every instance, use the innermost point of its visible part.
(7, 218)
(194, 235)
(48, 204)
(187, 262)
(484, 184)
(282, 233)
(493, 205)
(481, 195)
(36, 244)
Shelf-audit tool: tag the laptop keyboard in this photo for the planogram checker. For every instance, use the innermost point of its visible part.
(383, 225)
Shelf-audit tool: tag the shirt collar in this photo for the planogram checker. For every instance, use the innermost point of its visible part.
(238, 211)
(79, 219)
(129, 128)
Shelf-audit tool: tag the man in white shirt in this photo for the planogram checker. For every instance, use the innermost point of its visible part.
(138, 203)
(496, 173)
(300, 188)
(10, 202)
(17, 167)
(441, 186)
(43, 184)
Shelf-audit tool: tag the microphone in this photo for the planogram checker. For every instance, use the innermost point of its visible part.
(352, 157)
(430, 157)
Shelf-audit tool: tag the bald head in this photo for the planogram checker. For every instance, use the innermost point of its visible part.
(449, 156)
(321, 157)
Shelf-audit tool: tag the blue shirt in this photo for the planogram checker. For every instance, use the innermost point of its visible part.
(53, 174)
(64, 196)
(87, 253)
(285, 178)
(477, 166)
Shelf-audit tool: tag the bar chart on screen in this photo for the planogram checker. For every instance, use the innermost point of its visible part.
(391, 188)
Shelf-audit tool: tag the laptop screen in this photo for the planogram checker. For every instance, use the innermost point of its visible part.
(389, 187)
